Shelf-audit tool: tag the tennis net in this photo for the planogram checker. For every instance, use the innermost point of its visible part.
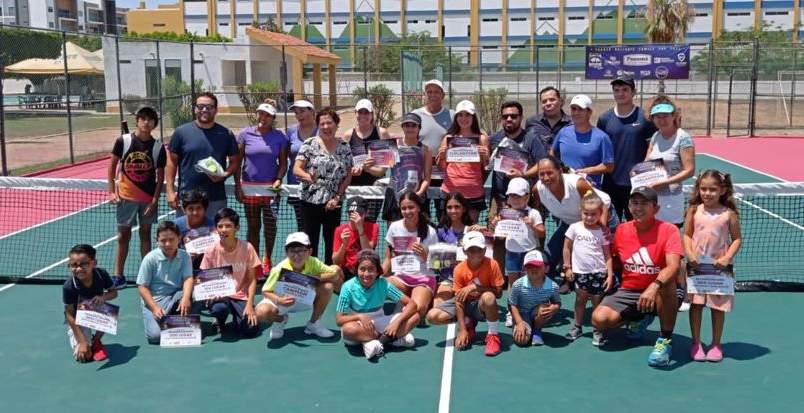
(43, 217)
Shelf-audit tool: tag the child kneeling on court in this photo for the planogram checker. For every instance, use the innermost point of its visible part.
(275, 308)
(477, 283)
(165, 281)
(360, 309)
(533, 302)
(87, 283)
(194, 223)
(239, 254)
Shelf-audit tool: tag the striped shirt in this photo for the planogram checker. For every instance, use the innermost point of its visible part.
(355, 298)
(526, 298)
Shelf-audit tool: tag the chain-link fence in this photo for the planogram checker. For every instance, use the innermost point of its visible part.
(58, 110)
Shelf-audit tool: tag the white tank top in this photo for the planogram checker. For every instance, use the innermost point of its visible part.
(568, 209)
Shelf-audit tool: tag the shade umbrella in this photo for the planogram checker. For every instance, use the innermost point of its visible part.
(79, 62)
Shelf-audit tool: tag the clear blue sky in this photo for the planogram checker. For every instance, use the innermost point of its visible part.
(133, 4)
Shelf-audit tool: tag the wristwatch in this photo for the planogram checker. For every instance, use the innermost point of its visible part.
(658, 282)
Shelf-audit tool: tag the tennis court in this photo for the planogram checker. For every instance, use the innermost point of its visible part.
(299, 373)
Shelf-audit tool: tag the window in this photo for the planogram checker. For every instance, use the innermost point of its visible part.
(314, 22)
(173, 69)
(518, 46)
(519, 19)
(490, 19)
(576, 18)
(606, 17)
(546, 19)
(429, 21)
(490, 47)
(413, 21)
(701, 14)
(776, 13)
(738, 13)
(159, 24)
(390, 21)
(151, 77)
(12, 11)
(50, 25)
(50, 9)
(339, 22)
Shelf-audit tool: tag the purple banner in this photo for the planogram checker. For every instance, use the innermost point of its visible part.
(646, 61)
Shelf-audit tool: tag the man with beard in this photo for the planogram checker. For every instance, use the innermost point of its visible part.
(193, 142)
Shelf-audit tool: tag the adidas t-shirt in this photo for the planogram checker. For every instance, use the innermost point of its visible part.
(643, 255)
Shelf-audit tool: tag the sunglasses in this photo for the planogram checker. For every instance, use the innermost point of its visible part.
(206, 106)
(510, 116)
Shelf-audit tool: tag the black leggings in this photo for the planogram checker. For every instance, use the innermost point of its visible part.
(315, 218)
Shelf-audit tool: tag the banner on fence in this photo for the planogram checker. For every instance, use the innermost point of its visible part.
(641, 61)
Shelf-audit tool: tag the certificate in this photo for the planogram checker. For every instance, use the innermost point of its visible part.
(404, 243)
(707, 279)
(383, 152)
(200, 244)
(406, 264)
(297, 285)
(463, 149)
(180, 331)
(359, 154)
(99, 318)
(442, 256)
(511, 225)
(214, 282)
(261, 190)
(461, 254)
(647, 173)
(508, 160)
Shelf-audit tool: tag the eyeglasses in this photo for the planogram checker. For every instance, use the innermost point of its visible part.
(76, 265)
(206, 106)
(510, 116)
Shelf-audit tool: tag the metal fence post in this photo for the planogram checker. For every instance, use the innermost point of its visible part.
(538, 89)
(793, 82)
(402, 78)
(284, 79)
(365, 71)
(119, 81)
(709, 89)
(161, 95)
(480, 77)
(192, 74)
(449, 75)
(752, 111)
(728, 104)
(3, 121)
(67, 92)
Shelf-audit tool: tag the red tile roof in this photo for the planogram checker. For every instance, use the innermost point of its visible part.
(297, 46)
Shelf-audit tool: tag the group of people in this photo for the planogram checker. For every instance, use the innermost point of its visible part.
(618, 246)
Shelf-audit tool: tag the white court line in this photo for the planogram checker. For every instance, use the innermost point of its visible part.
(739, 165)
(772, 215)
(50, 221)
(446, 372)
(98, 245)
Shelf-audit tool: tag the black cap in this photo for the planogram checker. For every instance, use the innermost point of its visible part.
(358, 204)
(647, 192)
(411, 117)
(624, 79)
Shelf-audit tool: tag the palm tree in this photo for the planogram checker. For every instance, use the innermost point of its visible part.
(667, 21)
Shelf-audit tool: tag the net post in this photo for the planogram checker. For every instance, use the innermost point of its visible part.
(161, 95)
(3, 119)
(67, 93)
(119, 81)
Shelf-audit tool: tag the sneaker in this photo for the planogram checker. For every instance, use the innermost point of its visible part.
(660, 356)
(536, 338)
(715, 354)
(636, 329)
(277, 329)
(118, 282)
(372, 349)
(99, 352)
(697, 352)
(509, 320)
(685, 306)
(317, 329)
(492, 345)
(407, 341)
(470, 330)
(597, 338)
(574, 333)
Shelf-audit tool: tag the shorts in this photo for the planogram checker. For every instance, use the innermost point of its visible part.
(88, 334)
(625, 302)
(471, 309)
(133, 212)
(592, 282)
(284, 310)
(413, 281)
(380, 321)
(513, 262)
(723, 303)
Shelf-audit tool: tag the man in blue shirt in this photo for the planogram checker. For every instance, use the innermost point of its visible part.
(545, 125)
(630, 132)
(583, 147)
(193, 142)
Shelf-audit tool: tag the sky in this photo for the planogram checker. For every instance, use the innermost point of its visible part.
(133, 4)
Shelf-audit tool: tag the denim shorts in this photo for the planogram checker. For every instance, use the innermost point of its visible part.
(513, 261)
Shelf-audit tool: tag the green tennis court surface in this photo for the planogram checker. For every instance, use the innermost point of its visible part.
(300, 374)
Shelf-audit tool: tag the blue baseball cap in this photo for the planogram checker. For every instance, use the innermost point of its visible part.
(662, 108)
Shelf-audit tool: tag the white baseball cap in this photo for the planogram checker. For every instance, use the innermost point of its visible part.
(301, 103)
(581, 101)
(465, 106)
(518, 186)
(364, 104)
(534, 258)
(434, 82)
(473, 239)
(267, 108)
(298, 238)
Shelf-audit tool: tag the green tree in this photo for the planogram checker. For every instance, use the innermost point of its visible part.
(178, 100)
(256, 93)
(667, 21)
(174, 37)
(488, 104)
(383, 100)
(385, 58)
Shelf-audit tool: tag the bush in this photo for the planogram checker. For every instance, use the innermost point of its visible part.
(178, 100)
(132, 103)
(383, 100)
(252, 95)
(487, 104)
(413, 100)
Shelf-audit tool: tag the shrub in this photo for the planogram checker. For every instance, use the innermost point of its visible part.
(487, 104)
(383, 100)
(252, 95)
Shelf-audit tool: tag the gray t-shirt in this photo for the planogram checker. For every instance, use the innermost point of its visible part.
(434, 126)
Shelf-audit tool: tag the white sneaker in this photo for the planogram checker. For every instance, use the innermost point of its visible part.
(372, 349)
(685, 306)
(509, 320)
(318, 330)
(277, 329)
(407, 341)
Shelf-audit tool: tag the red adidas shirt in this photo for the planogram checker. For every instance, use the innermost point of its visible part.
(643, 255)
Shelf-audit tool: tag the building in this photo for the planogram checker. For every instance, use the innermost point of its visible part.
(87, 16)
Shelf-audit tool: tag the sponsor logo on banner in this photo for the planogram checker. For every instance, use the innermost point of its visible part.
(636, 59)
